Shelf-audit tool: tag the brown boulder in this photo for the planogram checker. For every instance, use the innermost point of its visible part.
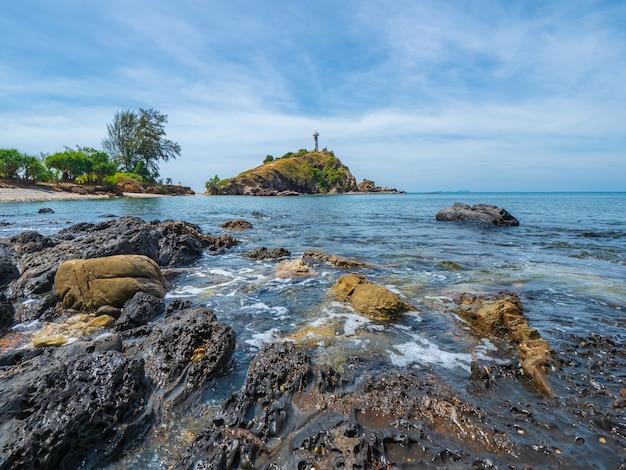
(371, 300)
(89, 284)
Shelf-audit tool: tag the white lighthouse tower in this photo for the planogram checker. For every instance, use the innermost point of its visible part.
(315, 136)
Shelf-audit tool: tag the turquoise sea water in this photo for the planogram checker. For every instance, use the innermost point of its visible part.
(566, 261)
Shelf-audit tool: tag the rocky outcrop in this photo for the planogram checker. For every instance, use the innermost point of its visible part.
(87, 285)
(292, 414)
(7, 314)
(38, 257)
(371, 300)
(368, 186)
(502, 315)
(485, 213)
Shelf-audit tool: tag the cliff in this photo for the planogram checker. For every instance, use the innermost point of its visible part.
(302, 173)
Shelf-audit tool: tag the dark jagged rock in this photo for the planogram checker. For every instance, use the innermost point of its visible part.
(486, 213)
(45, 210)
(7, 314)
(188, 347)
(70, 412)
(368, 186)
(8, 269)
(168, 243)
(139, 310)
(291, 414)
(267, 253)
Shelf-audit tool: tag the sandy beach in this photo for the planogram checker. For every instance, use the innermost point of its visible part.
(40, 194)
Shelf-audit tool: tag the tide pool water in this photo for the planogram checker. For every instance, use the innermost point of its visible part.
(566, 261)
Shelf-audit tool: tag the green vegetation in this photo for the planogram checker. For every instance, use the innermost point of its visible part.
(304, 171)
(134, 145)
(136, 142)
(267, 159)
(212, 184)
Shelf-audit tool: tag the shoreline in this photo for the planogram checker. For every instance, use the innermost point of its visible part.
(8, 195)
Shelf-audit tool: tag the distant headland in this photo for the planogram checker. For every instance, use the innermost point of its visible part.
(303, 172)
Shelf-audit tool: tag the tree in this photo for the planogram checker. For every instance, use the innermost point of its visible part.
(11, 162)
(268, 158)
(71, 164)
(211, 185)
(101, 165)
(136, 140)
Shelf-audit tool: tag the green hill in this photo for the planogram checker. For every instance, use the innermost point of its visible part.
(301, 173)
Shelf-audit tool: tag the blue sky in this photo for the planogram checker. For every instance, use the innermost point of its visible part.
(418, 95)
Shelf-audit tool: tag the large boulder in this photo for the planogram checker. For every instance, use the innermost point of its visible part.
(369, 299)
(89, 284)
(486, 213)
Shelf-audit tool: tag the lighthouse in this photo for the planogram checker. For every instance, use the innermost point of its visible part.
(315, 136)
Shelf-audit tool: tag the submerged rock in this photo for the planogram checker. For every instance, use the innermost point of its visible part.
(502, 315)
(335, 260)
(237, 225)
(87, 285)
(486, 213)
(267, 253)
(371, 300)
(293, 268)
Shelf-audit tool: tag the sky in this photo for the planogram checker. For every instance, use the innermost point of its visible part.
(417, 95)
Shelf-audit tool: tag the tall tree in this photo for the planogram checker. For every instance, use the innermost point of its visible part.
(137, 141)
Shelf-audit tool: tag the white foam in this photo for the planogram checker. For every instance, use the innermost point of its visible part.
(220, 272)
(422, 351)
(258, 340)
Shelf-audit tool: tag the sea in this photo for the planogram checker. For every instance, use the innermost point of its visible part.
(566, 261)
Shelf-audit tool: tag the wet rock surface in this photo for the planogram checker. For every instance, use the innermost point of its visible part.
(485, 213)
(168, 243)
(238, 224)
(335, 260)
(292, 414)
(267, 253)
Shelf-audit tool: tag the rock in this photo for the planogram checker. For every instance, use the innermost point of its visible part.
(168, 243)
(8, 269)
(75, 412)
(485, 213)
(7, 314)
(139, 310)
(86, 285)
(45, 210)
(237, 225)
(187, 348)
(267, 253)
(293, 268)
(368, 186)
(335, 260)
(502, 315)
(44, 341)
(371, 300)
(109, 310)
(292, 414)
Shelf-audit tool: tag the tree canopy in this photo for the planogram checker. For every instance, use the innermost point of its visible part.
(136, 141)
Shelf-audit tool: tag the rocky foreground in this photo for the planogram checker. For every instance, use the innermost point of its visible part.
(114, 358)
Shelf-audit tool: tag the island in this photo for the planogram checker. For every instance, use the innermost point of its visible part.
(304, 172)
